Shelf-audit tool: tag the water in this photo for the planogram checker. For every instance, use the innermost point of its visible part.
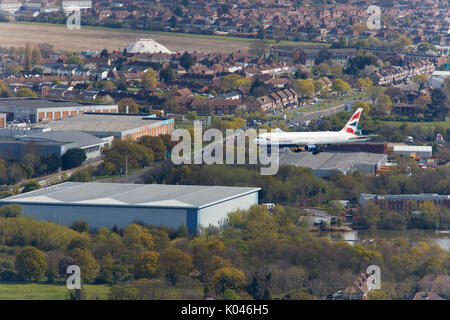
(440, 237)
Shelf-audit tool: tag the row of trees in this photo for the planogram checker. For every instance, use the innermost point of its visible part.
(257, 256)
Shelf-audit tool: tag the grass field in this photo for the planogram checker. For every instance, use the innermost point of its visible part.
(33, 291)
(97, 38)
(430, 124)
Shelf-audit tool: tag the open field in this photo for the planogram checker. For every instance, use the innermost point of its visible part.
(97, 38)
(33, 291)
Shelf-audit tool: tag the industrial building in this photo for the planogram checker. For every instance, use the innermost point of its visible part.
(110, 204)
(399, 202)
(121, 126)
(37, 109)
(326, 164)
(408, 150)
(47, 142)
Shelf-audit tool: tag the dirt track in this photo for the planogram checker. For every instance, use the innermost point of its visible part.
(12, 34)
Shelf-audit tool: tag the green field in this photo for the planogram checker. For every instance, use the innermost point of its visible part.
(33, 291)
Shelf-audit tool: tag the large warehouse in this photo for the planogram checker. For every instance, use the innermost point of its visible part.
(109, 204)
(38, 109)
(121, 126)
(326, 164)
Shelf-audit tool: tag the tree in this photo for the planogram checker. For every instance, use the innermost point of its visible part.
(30, 264)
(175, 264)
(234, 81)
(128, 153)
(75, 60)
(305, 87)
(374, 42)
(72, 158)
(123, 292)
(146, 265)
(133, 107)
(31, 185)
(383, 104)
(259, 47)
(187, 60)
(420, 80)
(80, 226)
(26, 92)
(156, 144)
(167, 75)
(11, 211)
(82, 175)
(359, 27)
(13, 68)
(340, 86)
(27, 61)
(364, 83)
(36, 56)
(149, 79)
(87, 263)
(377, 295)
(375, 92)
(228, 278)
(362, 104)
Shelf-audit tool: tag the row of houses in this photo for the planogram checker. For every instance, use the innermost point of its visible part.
(277, 100)
(395, 74)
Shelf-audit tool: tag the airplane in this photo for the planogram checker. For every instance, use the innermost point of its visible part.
(313, 141)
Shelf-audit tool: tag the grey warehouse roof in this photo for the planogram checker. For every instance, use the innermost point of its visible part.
(328, 160)
(100, 122)
(41, 103)
(135, 195)
(82, 139)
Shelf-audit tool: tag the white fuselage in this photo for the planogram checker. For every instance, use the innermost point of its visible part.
(305, 138)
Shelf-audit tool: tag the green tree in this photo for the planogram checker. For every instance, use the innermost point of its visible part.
(174, 264)
(31, 264)
(72, 158)
(228, 278)
(26, 92)
(75, 60)
(146, 265)
(123, 292)
(167, 75)
(31, 185)
(259, 47)
(340, 86)
(149, 80)
(377, 295)
(133, 107)
(305, 87)
(27, 61)
(87, 263)
(11, 211)
(156, 144)
(36, 56)
(187, 60)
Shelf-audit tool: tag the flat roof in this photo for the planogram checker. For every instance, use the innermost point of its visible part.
(43, 103)
(96, 122)
(130, 195)
(330, 160)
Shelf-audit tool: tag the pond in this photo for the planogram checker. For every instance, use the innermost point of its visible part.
(440, 237)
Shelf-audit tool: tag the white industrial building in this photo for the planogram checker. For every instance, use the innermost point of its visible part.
(419, 151)
(110, 204)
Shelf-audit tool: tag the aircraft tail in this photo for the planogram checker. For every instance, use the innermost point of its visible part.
(352, 124)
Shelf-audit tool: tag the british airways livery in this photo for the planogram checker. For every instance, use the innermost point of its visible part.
(313, 141)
